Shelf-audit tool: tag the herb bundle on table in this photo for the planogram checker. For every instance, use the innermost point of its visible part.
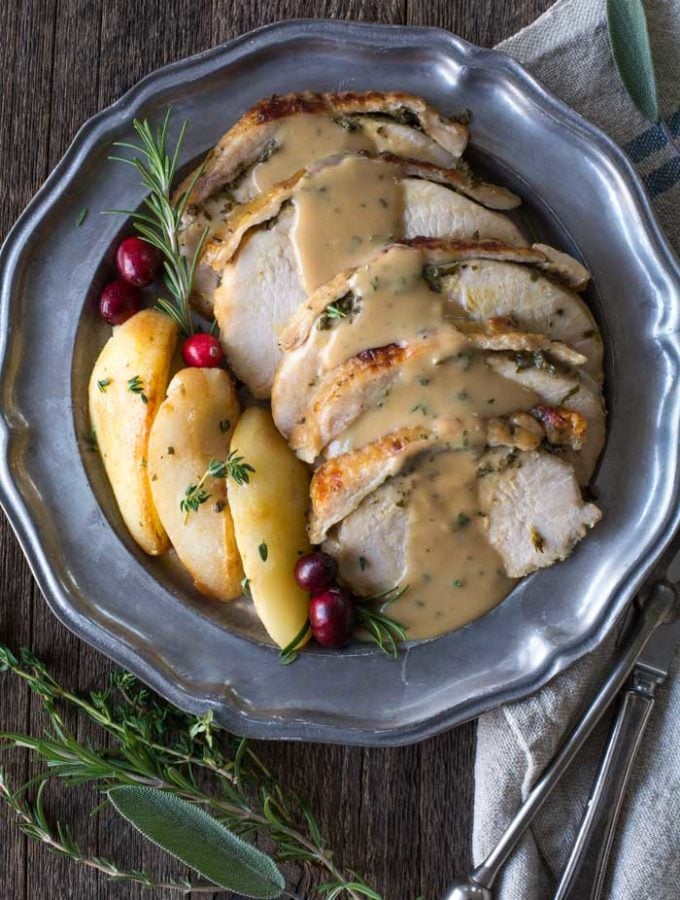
(188, 786)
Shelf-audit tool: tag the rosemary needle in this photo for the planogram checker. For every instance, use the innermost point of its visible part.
(160, 219)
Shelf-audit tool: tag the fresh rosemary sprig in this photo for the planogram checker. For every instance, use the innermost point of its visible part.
(291, 652)
(385, 631)
(152, 743)
(159, 223)
(196, 495)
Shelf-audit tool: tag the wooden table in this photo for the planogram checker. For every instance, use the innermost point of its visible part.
(402, 817)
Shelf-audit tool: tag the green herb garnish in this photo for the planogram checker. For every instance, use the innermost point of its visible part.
(92, 444)
(136, 385)
(196, 495)
(291, 651)
(159, 222)
(382, 629)
(537, 540)
(343, 308)
(147, 743)
(103, 384)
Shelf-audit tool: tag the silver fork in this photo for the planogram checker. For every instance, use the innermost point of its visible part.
(478, 886)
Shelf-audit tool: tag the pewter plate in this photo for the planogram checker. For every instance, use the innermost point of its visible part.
(141, 612)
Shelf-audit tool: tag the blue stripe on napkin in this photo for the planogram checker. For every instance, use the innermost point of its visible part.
(651, 141)
(663, 178)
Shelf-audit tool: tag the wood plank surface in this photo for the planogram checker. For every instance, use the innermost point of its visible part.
(402, 817)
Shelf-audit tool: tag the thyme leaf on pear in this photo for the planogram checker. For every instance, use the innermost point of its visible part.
(136, 385)
(196, 494)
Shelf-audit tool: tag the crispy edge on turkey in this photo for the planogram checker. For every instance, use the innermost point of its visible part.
(340, 484)
(567, 389)
(350, 388)
(535, 514)
(241, 145)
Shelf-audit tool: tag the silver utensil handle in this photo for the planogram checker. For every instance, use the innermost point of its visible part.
(655, 610)
(584, 874)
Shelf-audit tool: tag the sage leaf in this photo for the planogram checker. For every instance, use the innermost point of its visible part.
(199, 841)
(629, 38)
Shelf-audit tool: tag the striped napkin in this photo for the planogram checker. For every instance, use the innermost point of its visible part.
(568, 50)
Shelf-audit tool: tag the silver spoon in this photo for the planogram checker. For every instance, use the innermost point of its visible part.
(478, 885)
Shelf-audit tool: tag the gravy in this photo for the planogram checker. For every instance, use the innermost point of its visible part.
(462, 386)
(394, 305)
(344, 214)
(302, 140)
(454, 574)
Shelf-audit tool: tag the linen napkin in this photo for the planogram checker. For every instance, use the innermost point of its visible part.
(568, 50)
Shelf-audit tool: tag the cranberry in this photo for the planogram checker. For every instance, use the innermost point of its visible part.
(331, 615)
(138, 261)
(202, 351)
(118, 301)
(315, 571)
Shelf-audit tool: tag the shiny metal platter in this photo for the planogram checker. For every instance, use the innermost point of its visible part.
(142, 613)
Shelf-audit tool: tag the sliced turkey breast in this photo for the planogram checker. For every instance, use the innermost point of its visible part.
(339, 485)
(569, 269)
(561, 388)
(335, 315)
(258, 293)
(446, 193)
(535, 512)
(226, 218)
(376, 532)
(257, 131)
(246, 305)
(281, 135)
(441, 257)
(532, 514)
(486, 288)
(364, 383)
(357, 385)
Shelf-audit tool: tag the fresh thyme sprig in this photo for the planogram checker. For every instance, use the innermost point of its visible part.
(196, 495)
(159, 224)
(385, 631)
(237, 469)
(58, 839)
(154, 744)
